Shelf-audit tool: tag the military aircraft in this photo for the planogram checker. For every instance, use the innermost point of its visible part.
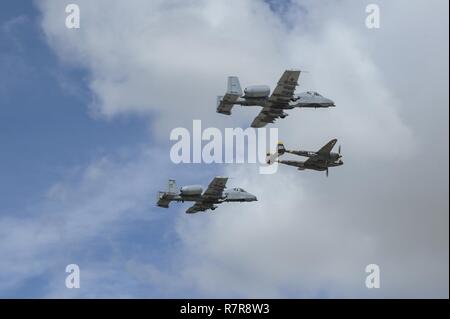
(282, 98)
(216, 193)
(318, 161)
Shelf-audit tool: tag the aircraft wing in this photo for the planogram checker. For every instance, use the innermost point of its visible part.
(291, 163)
(328, 147)
(315, 161)
(215, 188)
(284, 91)
(199, 206)
(267, 115)
(280, 98)
(325, 150)
(210, 196)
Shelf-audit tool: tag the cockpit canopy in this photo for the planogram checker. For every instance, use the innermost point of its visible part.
(313, 93)
(239, 190)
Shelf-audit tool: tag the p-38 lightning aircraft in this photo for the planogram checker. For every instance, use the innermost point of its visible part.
(282, 98)
(216, 193)
(318, 161)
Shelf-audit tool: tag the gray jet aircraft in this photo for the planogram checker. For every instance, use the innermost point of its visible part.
(216, 193)
(282, 98)
(319, 161)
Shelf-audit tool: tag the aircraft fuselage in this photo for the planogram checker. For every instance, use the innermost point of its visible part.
(229, 195)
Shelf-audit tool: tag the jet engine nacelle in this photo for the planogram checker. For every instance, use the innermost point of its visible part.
(191, 190)
(257, 91)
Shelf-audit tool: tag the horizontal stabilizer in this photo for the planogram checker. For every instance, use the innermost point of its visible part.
(272, 158)
(163, 200)
(225, 103)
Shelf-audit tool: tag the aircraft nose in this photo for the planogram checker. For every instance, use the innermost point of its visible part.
(330, 103)
(253, 198)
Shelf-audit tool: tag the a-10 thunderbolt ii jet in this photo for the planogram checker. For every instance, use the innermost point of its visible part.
(274, 105)
(216, 193)
(318, 161)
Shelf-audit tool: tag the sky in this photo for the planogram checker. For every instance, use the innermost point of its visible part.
(85, 121)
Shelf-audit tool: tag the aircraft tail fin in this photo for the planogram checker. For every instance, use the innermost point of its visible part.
(164, 198)
(280, 148)
(234, 91)
(172, 186)
(234, 87)
(271, 158)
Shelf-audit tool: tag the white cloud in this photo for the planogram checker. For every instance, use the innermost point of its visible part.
(307, 236)
(179, 55)
(311, 239)
(85, 208)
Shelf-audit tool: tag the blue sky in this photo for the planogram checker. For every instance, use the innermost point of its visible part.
(46, 129)
(83, 154)
(47, 132)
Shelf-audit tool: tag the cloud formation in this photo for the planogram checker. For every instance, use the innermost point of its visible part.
(307, 236)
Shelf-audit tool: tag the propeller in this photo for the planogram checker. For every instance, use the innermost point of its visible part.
(339, 153)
